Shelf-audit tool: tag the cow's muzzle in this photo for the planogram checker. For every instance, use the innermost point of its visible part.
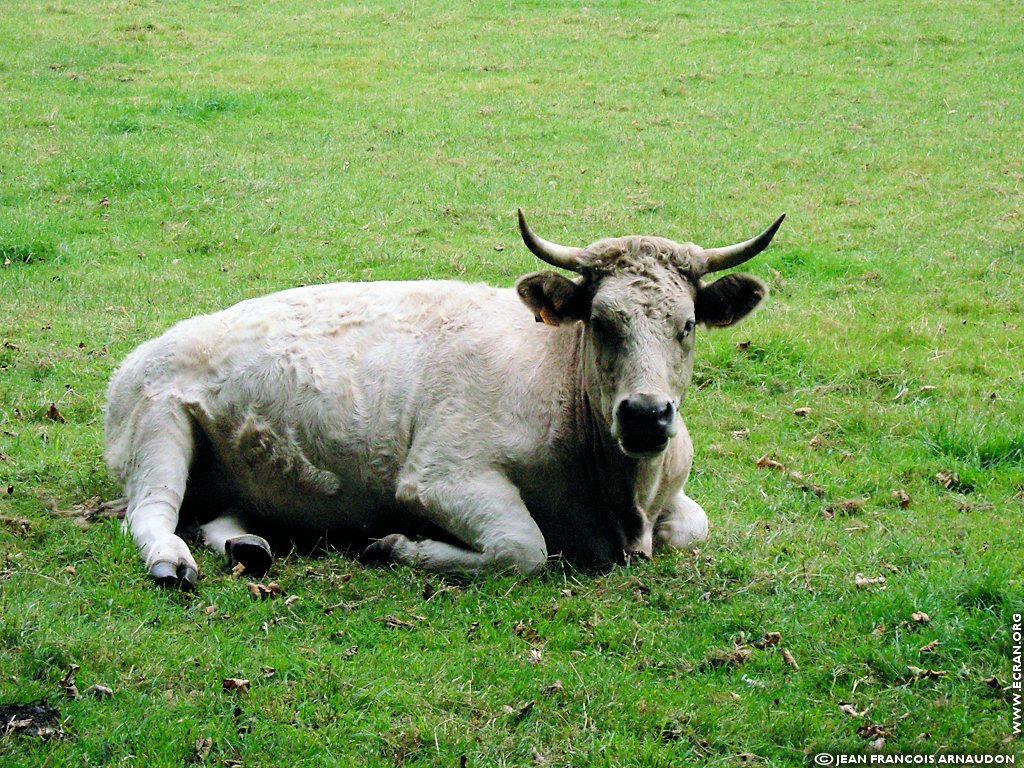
(645, 424)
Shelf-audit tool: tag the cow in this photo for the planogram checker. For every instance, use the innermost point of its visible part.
(438, 424)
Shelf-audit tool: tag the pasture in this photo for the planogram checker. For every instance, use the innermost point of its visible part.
(159, 160)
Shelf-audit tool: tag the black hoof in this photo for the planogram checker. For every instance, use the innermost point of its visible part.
(380, 551)
(169, 575)
(251, 551)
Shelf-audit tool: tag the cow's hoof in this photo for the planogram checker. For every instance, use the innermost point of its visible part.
(180, 575)
(381, 550)
(251, 551)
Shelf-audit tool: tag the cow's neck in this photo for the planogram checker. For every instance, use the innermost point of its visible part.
(624, 486)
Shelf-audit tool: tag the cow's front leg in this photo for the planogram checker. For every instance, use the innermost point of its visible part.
(485, 511)
(681, 525)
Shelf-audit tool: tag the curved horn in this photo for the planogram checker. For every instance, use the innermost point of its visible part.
(718, 259)
(561, 256)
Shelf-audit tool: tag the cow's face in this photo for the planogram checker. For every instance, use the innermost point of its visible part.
(639, 301)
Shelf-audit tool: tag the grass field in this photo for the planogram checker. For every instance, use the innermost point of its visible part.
(159, 160)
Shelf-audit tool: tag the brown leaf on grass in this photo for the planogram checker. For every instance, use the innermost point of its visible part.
(788, 658)
(54, 414)
(801, 412)
(902, 497)
(817, 441)
(930, 674)
(947, 479)
(729, 656)
(235, 684)
(263, 591)
(91, 509)
(267, 672)
(291, 599)
(993, 682)
(210, 610)
(202, 745)
(863, 581)
(17, 524)
(845, 507)
(848, 709)
(519, 711)
(536, 656)
(920, 617)
(555, 687)
(872, 731)
(742, 346)
(529, 634)
(768, 639)
(929, 647)
(395, 623)
(740, 434)
(99, 690)
(68, 682)
(766, 462)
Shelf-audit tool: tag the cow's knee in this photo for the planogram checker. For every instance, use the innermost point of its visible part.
(684, 527)
(526, 556)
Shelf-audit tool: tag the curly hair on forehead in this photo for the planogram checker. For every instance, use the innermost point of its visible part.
(641, 254)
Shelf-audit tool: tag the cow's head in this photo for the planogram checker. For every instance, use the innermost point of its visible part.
(640, 300)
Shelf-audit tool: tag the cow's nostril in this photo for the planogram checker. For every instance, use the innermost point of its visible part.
(647, 411)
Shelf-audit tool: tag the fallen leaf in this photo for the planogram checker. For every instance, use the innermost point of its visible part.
(947, 479)
(902, 498)
(565, 592)
(766, 462)
(235, 684)
(867, 581)
(263, 591)
(845, 507)
(68, 682)
(872, 731)
(395, 622)
(929, 647)
(788, 658)
(529, 634)
(932, 674)
(742, 346)
(993, 682)
(210, 610)
(732, 656)
(852, 711)
(920, 617)
(267, 672)
(99, 691)
(291, 599)
(817, 441)
(769, 639)
(536, 656)
(555, 687)
(801, 412)
(740, 434)
(521, 711)
(53, 414)
(203, 745)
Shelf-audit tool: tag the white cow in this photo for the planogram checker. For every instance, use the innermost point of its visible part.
(435, 422)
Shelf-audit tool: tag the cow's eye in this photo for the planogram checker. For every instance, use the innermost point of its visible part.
(602, 328)
(686, 330)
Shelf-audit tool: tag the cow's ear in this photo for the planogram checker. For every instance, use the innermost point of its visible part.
(553, 298)
(729, 299)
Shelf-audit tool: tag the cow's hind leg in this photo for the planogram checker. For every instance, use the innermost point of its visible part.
(485, 511)
(229, 535)
(162, 449)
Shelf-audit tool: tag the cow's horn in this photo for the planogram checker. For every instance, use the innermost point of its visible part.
(556, 255)
(717, 259)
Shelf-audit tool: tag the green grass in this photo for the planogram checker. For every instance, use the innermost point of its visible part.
(162, 160)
